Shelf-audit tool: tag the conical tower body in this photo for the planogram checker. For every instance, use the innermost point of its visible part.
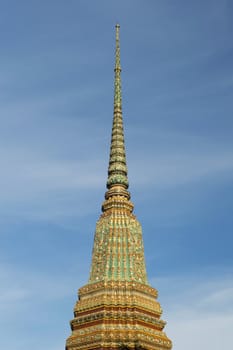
(117, 308)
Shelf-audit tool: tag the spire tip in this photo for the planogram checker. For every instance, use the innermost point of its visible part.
(117, 171)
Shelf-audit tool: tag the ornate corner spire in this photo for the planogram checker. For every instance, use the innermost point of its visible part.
(117, 170)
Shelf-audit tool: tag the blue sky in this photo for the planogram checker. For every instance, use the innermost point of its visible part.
(56, 93)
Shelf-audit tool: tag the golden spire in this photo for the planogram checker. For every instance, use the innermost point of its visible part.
(117, 308)
(118, 253)
(117, 182)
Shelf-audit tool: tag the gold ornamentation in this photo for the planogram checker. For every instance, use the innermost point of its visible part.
(117, 306)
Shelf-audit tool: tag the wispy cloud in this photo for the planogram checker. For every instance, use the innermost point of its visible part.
(20, 285)
(194, 309)
(36, 300)
(56, 108)
(172, 170)
(40, 174)
(201, 332)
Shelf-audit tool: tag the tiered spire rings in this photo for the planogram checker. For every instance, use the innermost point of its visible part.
(117, 308)
(117, 171)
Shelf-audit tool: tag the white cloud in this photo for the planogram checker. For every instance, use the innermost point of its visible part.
(178, 169)
(38, 183)
(199, 311)
(19, 285)
(202, 332)
(220, 298)
(33, 303)
(27, 172)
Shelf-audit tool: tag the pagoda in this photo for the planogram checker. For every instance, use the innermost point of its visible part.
(117, 308)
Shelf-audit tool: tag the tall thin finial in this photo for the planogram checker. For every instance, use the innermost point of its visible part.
(117, 94)
(117, 182)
